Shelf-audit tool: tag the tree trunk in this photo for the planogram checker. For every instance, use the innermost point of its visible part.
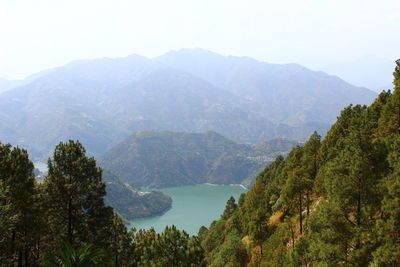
(292, 232)
(26, 251)
(26, 257)
(69, 234)
(398, 120)
(358, 219)
(38, 249)
(301, 214)
(13, 242)
(19, 257)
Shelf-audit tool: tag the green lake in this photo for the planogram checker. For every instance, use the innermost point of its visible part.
(192, 207)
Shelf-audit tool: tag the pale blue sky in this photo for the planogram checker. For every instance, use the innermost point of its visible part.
(39, 34)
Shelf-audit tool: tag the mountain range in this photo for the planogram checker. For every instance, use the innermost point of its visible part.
(102, 101)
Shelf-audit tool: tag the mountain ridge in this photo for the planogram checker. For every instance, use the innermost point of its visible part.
(158, 159)
(102, 101)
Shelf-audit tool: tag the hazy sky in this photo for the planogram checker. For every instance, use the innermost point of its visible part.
(39, 34)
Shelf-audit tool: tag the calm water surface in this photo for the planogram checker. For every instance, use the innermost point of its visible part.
(192, 207)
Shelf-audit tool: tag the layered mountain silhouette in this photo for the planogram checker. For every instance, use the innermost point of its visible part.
(102, 101)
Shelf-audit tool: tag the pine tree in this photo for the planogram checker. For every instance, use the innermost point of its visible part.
(294, 191)
(120, 248)
(310, 165)
(388, 225)
(259, 227)
(74, 195)
(18, 201)
(390, 119)
(329, 235)
(172, 247)
(375, 110)
(7, 220)
(230, 207)
(353, 186)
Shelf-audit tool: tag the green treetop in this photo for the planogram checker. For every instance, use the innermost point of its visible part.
(75, 197)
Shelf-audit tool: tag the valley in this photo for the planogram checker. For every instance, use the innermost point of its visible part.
(199, 133)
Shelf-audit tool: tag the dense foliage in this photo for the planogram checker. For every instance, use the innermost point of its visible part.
(65, 222)
(170, 248)
(329, 203)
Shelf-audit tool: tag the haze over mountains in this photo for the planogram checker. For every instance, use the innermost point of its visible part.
(369, 71)
(7, 84)
(102, 101)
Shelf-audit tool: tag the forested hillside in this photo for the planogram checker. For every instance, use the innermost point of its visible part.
(159, 159)
(334, 202)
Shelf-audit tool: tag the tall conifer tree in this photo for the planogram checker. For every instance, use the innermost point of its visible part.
(18, 201)
(390, 119)
(74, 193)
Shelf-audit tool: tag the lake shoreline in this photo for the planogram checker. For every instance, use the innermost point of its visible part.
(241, 185)
(192, 207)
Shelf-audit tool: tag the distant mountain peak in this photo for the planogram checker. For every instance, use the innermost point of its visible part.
(101, 101)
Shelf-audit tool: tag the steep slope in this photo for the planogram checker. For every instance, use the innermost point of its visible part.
(329, 203)
(164, 159)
